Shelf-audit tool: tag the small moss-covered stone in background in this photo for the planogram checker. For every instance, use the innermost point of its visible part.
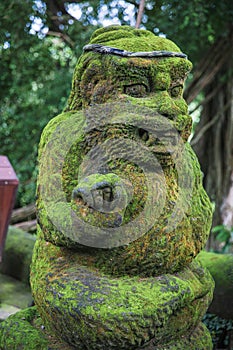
(221, 268)
(17, 332)
(17, 254)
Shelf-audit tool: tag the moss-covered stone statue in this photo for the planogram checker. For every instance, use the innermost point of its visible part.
(122, 213)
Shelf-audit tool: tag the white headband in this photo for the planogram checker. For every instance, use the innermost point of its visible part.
(113, 51)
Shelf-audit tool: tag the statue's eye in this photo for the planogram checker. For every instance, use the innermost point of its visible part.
(176, 91)
(136, 90)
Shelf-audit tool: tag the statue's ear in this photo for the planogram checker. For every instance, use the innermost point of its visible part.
(93, 81)
(88, 66)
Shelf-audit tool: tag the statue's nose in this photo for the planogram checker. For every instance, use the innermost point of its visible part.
(101, 197)
(101, 193)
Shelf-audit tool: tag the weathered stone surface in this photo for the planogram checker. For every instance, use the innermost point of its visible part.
(7, 310)
(198, 338)
(84, 306)
(18, 332)
(151, 253)
(35, 336)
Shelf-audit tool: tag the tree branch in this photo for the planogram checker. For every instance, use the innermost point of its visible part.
(58, 14)
(197, 138)
(63, 36)
(209, 66)
(140, 13)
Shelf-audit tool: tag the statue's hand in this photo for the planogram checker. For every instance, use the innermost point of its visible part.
(107, 194)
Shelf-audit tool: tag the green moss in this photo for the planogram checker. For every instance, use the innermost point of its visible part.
(17, 332)
(198, 339)
(128, 38)
(221, 268)
(17, 254)
(52, 126)
(14, 292)
(107, 77)
(71, 297)
(148, 255)
(97, 77)
(86, 196)
(26, 331)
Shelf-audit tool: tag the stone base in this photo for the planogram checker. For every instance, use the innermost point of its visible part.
(81, 305)
(25, 331)
(198, 339)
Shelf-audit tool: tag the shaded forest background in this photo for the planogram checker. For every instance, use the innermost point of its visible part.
(40, 42)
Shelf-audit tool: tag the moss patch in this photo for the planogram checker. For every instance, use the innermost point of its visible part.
(221, 268)
(99, 77)
(17, 254)
(76, 299)
(155, 252)
(14, 292)
(17, 332)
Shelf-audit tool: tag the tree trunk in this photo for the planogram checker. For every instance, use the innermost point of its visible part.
(28, 226)
(215, 147)
(23, 214)
(213, 139)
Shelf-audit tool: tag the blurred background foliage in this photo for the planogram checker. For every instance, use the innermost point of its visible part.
(40, 42)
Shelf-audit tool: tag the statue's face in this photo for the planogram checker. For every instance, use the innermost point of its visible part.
(149, 82)
(136, 77)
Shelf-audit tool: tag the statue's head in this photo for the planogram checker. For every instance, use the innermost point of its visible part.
(150, 76)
